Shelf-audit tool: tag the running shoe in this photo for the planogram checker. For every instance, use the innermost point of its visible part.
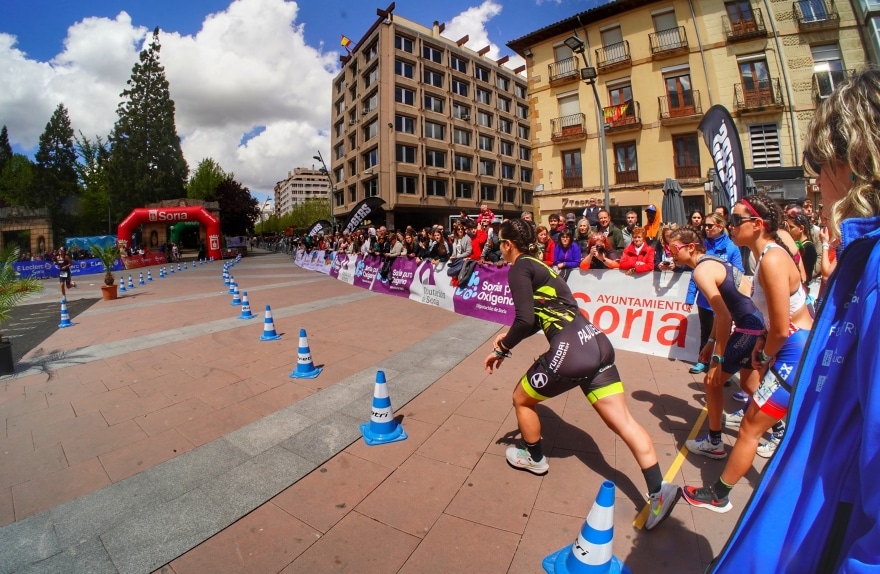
(520, 458)
(767, 449)
(662, 502)
(697, 368)
(741, 396)
(705, 447)
(705, 498)
(734, 419)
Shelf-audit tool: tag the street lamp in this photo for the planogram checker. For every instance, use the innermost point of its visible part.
(588, 75)
(330, 191)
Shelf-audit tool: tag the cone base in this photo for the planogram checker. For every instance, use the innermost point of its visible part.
(555, 564)
(373, 439)
(234, 304)
(297, 374)
(270, 337)
(66, 324)
(247, 317)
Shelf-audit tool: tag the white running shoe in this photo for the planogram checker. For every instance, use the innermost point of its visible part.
(705, 447)
(521, 459)
(662, 502)
(767, 449)
(733, 420)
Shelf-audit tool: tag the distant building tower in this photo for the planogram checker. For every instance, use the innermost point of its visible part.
(300, 185)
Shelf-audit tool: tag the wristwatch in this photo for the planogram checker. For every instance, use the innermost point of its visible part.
(763, 357)
(717, 359)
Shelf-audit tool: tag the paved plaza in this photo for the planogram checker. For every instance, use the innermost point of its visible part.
(160, 434)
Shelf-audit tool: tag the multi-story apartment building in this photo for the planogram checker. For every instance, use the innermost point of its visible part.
(868, 13)
(429, 126)
(301, 184)
(658, 67)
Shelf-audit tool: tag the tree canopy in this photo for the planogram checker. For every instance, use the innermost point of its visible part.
(238, 208)
(203, 184)
(56, 182)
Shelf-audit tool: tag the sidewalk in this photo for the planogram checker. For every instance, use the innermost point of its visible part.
(160, 434)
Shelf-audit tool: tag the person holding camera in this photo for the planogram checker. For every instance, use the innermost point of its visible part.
(601, 255)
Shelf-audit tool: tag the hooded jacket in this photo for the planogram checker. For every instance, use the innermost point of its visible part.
(817, 506)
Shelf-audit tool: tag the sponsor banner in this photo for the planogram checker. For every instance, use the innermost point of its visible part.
(46, 269)
(235, 241)
(362, 212)
(366, 270)
(722, 140)
(145, 260)
(319, 227)
(431, 286)
(400, 279)
(486, 295)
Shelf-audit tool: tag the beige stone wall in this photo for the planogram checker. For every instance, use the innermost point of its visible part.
(34, 220)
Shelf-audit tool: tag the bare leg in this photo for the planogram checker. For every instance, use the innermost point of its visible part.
(617, 417)
(753, 426)
(749, 380)
(526, 415)
(715, 405)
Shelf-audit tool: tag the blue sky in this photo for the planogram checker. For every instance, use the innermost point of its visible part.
(251, 79)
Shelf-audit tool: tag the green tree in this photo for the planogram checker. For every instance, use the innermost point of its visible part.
(5, 149)
(238, 208)
(92, 174)
(146, 162)
(56, 182)
(203, 184)
(18, 181)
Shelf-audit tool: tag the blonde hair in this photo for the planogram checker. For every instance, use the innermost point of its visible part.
(846, 130)
(717, 218)
(662, 234)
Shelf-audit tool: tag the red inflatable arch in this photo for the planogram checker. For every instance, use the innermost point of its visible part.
(173, 215)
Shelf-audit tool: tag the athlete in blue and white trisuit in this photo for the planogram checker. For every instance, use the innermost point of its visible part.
(580, 355)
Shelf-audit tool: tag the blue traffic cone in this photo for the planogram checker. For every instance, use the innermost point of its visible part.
(225, 276)
(382, 428)
(305, 368)
(236, 300)
(149, 276)
(141, 278)
(245, 307)
(184, 266)
(122, 284)
(592, 552)
(269, 333)
(130, 282)
(178, 265)
(232, 285)
(172, 269)
(65, 318)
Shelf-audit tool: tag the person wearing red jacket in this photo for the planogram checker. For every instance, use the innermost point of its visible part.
(546, 244)
(479, 238)
(638, 257)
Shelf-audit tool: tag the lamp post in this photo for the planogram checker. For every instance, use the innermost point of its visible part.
(330, 191)
(588, 75)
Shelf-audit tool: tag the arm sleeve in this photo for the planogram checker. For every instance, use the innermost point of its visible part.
(692, 292)
(649, 260)
(519, 277)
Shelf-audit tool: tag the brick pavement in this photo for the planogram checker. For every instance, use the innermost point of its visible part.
(160, 434)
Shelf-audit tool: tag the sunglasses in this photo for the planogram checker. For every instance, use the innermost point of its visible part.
(708, 226)
(502, 240)
(735, 219)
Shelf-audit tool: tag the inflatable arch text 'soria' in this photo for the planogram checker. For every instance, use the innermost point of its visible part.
(173, 215)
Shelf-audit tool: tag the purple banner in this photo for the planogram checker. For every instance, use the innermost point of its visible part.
(366, 270)
(486, 295)
(399, 278)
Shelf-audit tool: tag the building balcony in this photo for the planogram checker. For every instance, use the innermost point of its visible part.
(764, 95)
(687, 171)
(680, 108)
(668, 43)
(563, 71)
(613, 56)
(572, 177)
(815, 15)
(747, 26)
(826, 82)
(568, 128)
(623, 117)
(623, 177)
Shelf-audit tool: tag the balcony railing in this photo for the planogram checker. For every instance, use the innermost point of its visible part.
(626, 176)
(563, 71)
(568, 128)
(746, 26)
(826, 82)
(759, 96)
(682, 105)
(686, 171)
(815, 15)
(668, 42)
(623, 117)
(572, 177)
(613, 56)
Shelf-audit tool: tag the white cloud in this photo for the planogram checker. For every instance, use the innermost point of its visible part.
(248, 69)
(472, 23)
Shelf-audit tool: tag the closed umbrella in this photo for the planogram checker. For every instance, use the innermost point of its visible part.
(673, 204)
(751, 188)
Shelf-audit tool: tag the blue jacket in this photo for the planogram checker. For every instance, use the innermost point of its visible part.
(817, 506)
(723, 248)
(571, 257)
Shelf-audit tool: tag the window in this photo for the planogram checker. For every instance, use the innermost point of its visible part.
(402, 43)
(434, 103)
(522, 111)
(508, 171)
(755, 82)
(371, 187)
(371, 77)
(484, 119)
(371, 158)
(613, 45)
(436, 187)
(464, 189)
(371, 52)
(463, 163)
(340, 106)
(352, 141)
(339, 173)
(505, 125)
(404, 96)
(406, 184)
(504, 104)
(507, 148)
(405, 154)
(340, 85)
(523, 131)
(461, 137)
(626, 166)
(827, 68)
(487, 167)
(686, 156)
(404, 124)
(487, 192)
(502, 83)
(764, 141)
(458, 64)
(352, 168)
(402, 68)
(433, 54)
(520, 91)
(338, 198)
(813, 10)
(508, 195)
(434, 78)
(339, 150)
(459, 87)
(371, 130)
(527, 197)
(435, 158)
(481, 73)
(435, 131)
(525, 153)
(525, 175)
(679, 95)
(486, 143)
(484, 97)
(461, 112)
(352, 194)
(572, 174)
(372, 102)
(338, 129)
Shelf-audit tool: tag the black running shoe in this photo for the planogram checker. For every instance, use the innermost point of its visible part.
(705, 498)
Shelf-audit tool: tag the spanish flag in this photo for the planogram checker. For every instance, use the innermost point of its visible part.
(345, 42)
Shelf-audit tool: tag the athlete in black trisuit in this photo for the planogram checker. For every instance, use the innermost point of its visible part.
(580, 355)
